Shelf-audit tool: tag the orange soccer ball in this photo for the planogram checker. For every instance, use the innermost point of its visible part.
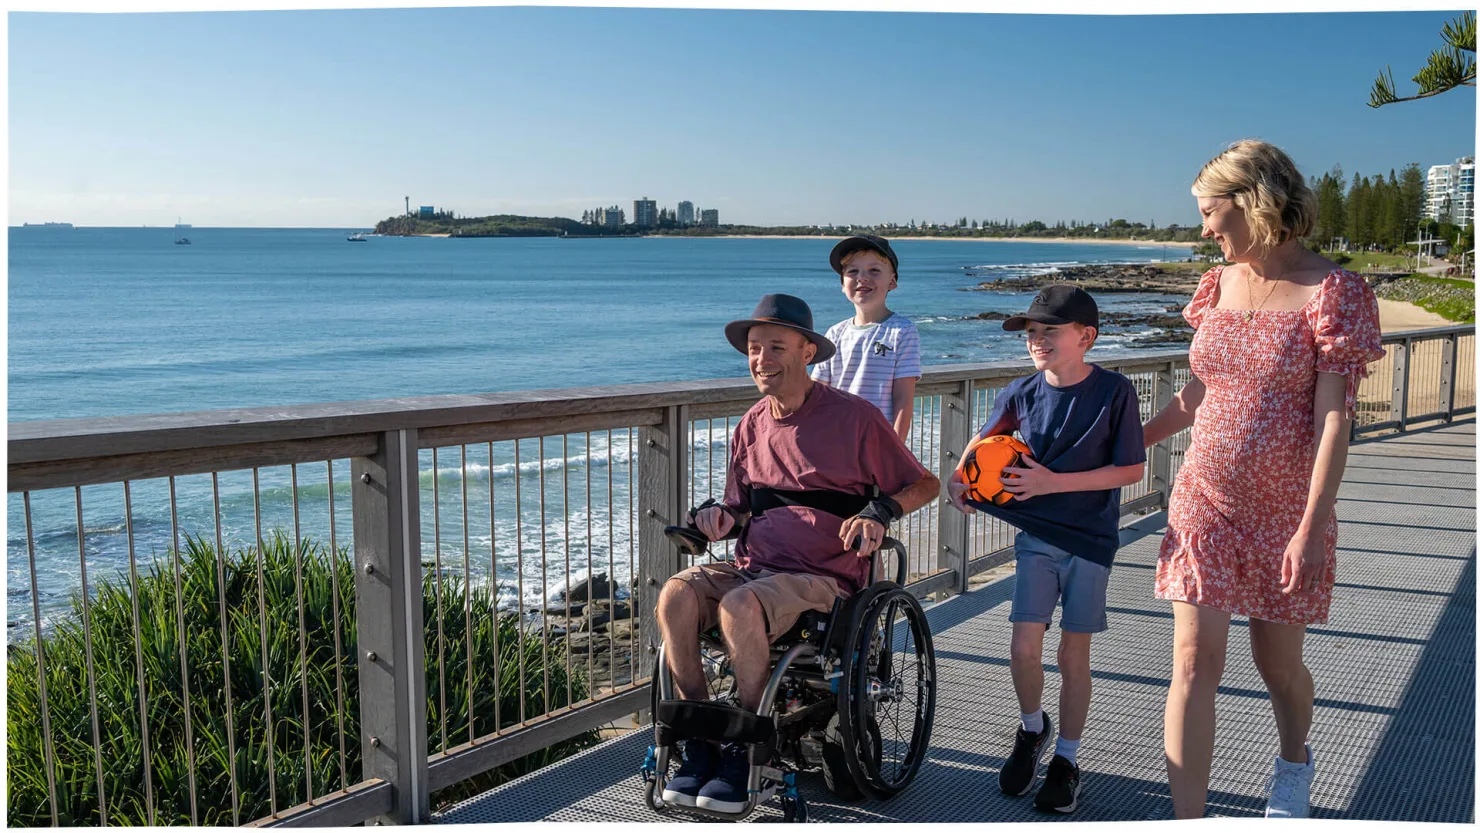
(982, 464)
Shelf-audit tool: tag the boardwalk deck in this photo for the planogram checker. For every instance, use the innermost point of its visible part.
(1394, 734)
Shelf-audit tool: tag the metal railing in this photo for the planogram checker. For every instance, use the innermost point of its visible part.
(496, 596)
(1426, 375)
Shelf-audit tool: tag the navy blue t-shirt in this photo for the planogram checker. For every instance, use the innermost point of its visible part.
(1082, 427)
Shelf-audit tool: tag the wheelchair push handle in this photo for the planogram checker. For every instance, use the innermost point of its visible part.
(901, 560)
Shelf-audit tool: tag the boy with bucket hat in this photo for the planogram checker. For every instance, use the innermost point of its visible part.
(878, 356)
(1083, 425)
(812, 470)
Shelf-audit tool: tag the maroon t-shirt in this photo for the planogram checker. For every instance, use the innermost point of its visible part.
(835, 441)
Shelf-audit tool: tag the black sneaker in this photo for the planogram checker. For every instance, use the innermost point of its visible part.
(699, 762)
(1021, 768)
(1060, 792)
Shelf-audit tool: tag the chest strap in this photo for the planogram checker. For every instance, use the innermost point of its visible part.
(840, 504)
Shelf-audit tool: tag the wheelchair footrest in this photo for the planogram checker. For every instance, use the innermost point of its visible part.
(676, 720)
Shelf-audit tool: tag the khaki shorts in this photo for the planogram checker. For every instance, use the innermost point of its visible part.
(783, 596)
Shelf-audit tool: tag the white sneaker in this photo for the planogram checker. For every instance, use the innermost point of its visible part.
(1289, 788)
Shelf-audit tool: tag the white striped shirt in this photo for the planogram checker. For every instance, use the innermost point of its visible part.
(870, 358)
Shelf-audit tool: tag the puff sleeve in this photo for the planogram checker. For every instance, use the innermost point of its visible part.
(1347, 333)
(1205, 296)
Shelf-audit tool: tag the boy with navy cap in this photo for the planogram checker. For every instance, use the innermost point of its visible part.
(878, 356)
(1084, 427)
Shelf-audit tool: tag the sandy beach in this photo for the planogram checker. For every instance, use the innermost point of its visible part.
(1401, 315)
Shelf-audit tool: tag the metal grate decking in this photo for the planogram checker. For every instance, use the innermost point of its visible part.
(1394, 734)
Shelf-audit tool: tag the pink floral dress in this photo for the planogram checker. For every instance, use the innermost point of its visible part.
(1244, 483)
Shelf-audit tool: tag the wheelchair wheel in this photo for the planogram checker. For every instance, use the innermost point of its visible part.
(835, 772)
(888, 691)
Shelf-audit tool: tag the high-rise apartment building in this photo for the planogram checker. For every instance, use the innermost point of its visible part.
(645, 212)
(1449, 192)
(709, 218)
(685, 213)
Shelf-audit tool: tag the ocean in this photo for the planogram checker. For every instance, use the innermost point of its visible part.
(112, 321)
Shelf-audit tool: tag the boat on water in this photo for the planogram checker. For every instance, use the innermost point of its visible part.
(357, 237)
(180, 229)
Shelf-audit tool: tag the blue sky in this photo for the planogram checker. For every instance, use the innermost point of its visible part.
(329, 118)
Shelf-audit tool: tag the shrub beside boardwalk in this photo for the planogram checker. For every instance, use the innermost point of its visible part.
(229, 723)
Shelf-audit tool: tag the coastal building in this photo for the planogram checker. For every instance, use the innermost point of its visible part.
(1449, 192)
(709, 218)
(426, 212)
(685, 213)
(645, 212)
(609, 217)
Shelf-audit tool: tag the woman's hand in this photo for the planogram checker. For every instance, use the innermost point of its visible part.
(1031, 481)
(1304, 564)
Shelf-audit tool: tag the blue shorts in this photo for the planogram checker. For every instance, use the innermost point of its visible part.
(1045, 574)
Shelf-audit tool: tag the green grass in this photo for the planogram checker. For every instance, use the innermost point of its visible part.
(243, 746)
(1452, 298)
(1364, 262)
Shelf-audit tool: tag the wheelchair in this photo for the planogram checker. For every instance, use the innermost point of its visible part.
(851, 693)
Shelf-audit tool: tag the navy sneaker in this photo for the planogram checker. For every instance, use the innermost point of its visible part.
(1020, 769)
(727, 791)
(697, 768)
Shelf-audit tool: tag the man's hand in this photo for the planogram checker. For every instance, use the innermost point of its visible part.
(1034, 480)
(955, 490)
(714, 522)
(870, 535)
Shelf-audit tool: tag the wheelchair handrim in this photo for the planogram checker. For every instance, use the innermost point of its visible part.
(891, 608)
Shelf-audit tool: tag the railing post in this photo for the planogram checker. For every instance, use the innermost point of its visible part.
(1401, 355)
(1447, 372)
(1161, 453)
(388, 604)
(952, 534)
(662, 471)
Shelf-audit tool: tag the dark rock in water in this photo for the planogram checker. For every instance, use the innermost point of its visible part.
(559, 609)
(989, 316)
(596, 586)
(1137, 319)
(1166, 337)
(597, 620)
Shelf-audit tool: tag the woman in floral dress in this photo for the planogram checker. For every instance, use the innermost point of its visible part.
(1283, 337)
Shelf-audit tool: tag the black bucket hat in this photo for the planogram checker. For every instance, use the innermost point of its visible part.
(862, 241)
(1060, 303)
(786, 311)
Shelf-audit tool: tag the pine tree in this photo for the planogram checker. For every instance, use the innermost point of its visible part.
(1448, 67)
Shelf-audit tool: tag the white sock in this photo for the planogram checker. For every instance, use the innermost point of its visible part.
(1033, 722)
(1067, 748)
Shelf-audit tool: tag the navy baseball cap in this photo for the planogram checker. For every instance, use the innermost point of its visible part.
(862, 241)
(1060, 303)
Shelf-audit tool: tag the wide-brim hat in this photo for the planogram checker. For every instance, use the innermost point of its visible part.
(871, 242)
(786, 311)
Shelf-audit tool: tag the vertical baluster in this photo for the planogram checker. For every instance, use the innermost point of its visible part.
(133, 574)
(544, 597)
(493, 580)
(565, 517)
(468, 584)
(338, 649)
(225, 644)
(184, 655)
(48, 753)
(262, 631)
(437, 569)
(92, 679)
(302, 636)
(519, 566)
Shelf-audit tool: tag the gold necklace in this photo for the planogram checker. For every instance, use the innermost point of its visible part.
(1249, 289)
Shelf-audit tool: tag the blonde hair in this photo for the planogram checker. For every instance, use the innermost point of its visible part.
(853, 255)
(1265, 185)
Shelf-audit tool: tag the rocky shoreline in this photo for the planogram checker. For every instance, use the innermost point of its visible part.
(1101, 279)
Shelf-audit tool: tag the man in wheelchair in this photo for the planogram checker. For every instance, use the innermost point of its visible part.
(816, 475)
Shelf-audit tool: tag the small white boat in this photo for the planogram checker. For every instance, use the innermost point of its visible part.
(180, 229)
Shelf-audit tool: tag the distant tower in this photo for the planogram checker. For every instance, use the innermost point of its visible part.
(408, 206)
